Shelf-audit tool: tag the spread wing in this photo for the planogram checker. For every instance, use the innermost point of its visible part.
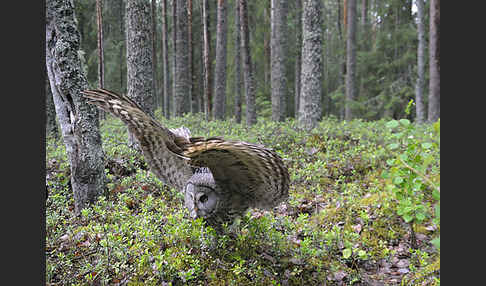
(249, 169)
(159, 145)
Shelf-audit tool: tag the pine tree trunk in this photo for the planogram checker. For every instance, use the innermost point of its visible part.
(101, 60)
(139, 54)
(350, 60)
(165, 60)
(121, 60)
(298, 57)
(238, 79)
(207, 62)
(247, 65)
(51, 125)
(182, 78)
(155, 86)
(420, 85)
(434, 61)
(220, 67)
(267, 50)
(174, 57)
(278, 59)
(78, 120)
(311, 73)
(192, 77)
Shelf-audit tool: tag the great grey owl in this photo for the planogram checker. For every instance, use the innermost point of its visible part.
(220, 179)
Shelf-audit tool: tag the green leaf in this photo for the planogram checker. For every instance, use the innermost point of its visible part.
(426, 145)
(393, 146)
(347, 253)
(397, 180)
(408, 217)
(436, 242)
(392, 124)
(420, 216)
(362, 254)
(436, 195)
(405, 122)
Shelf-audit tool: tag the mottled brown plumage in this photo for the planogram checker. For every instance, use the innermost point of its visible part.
(220, 179)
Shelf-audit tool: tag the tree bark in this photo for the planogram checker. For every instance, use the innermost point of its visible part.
(247, 65)
(267, 50)
(193, 105)
(278, 59)
(434, 61)
(165, 60)
(420, 84)
(220, 67)
(155, 86)
(207, 62)
(182, 78)
(174, 52)
(122, 62)
(139, 54)
(238, 79)
(311, 73)
(298, 57)
(78, 120)
(351, 90)
(51, 125)
(101, 60)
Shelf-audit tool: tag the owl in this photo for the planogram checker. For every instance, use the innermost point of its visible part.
(220, 179)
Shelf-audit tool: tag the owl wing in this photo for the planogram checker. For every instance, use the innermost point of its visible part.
(256, 172)
(160, 146)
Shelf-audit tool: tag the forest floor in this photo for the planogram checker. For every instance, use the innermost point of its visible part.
(364, 209)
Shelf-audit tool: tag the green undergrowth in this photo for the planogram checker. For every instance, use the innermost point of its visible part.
(364, 206)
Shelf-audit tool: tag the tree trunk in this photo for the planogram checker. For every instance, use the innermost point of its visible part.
(341, 59)
(350, 60)
(434, 61)
(420, 85)
(192, 77)
(101, 60)
(278, 59)
(267, 51)
(139, 54)
(51, 125)
(174, 52)
(311, 74)
(182, 78)
(298, 57)
(122, 60)
(78, 120)
(247, 65)
(165, 60)
(155, 86)
(220, 67)
(207, 63)
(237, 65)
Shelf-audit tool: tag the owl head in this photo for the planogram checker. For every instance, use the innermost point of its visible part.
(202, 197)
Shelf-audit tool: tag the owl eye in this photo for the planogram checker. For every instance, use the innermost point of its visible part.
(203, 198)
